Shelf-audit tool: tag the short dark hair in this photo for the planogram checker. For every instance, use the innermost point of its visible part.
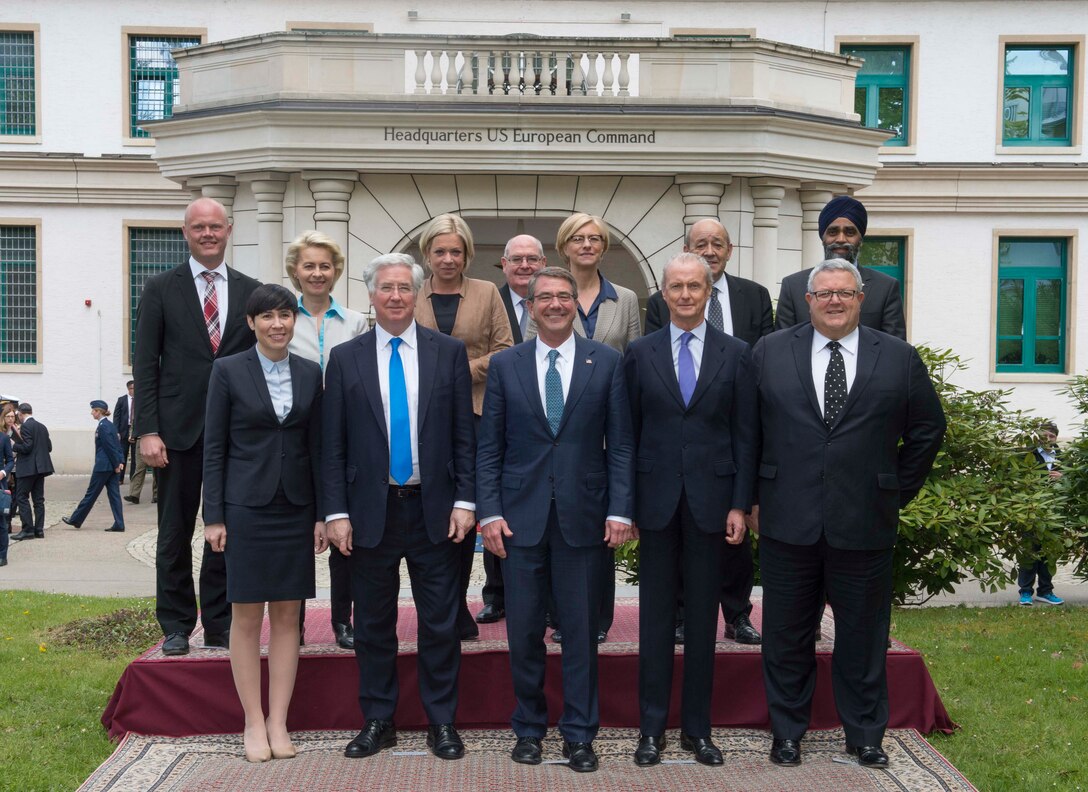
(270, 297)
(552, 272)
(130, 383)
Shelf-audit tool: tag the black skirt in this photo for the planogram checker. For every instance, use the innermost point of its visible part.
(270, 551)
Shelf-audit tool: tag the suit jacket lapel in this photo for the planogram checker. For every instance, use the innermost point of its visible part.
(661, 360)
(738, 308)
(236, 310)
(508, 302)
(581, 371)
(296, 386)
(260, 385)
(525, 366)
(366, 361)
(188, 295)
(427, 356)
(802, 358)
(868, 354)
(607, 314)
(711, 364)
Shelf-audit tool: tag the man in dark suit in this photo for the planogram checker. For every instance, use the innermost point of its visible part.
(122, 421)
(842, 227)
(522, 258)
(399, 478)
(187, 317)
(744, 312)
(692, 394)
(33, 463)
(109, 461)
(850, 427)
(555, 473)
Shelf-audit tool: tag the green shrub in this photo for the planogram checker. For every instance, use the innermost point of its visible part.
(1074, 480)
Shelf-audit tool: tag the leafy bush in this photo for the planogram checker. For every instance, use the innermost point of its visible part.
(1074, 481)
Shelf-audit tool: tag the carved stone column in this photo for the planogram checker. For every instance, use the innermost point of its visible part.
(767, 195)
(332, 191)
(268, 188)
(814, 197)
(702, 196)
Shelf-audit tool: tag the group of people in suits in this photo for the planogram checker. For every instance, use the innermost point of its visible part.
(30, 462)
(537, 412)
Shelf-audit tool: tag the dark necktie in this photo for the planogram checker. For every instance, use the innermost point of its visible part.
(211, 310)
(553, 393)
(834, 385)
(685, 365)
(523, 323)
(714, 312)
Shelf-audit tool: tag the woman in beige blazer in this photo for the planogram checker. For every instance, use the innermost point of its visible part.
(471, 310)
(606, 312)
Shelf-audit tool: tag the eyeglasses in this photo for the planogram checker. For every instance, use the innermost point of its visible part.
(524, 259)
(825, 295)
(593, 239)
(399, 288)
(546, 297)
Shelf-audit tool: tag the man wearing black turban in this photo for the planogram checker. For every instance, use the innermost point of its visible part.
(842, 226)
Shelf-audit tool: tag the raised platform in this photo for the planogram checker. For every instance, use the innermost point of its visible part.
(194, 695)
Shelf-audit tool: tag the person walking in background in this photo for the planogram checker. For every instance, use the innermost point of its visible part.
(261, 495)
(314, 265)
(1033, 566)
(109, 460)
(122, 420)
(7, 464)
(33, 464)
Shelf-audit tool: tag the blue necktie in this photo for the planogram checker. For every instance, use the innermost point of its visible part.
(400, 430)
(553, 393)
(686, 366)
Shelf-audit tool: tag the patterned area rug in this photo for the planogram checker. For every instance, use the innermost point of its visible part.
(215, 763)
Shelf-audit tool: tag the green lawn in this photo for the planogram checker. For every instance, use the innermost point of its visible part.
(1013, 678)
(1015, 681)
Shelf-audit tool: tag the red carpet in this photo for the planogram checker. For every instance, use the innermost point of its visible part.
(194, 695)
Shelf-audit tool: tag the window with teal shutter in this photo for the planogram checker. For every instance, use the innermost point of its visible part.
(1038, 96)
(882, 89)
(1031, 300)
(18, 295)
(17, 97)
(153, 78)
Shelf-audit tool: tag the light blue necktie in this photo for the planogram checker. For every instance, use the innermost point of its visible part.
(553, 393)
(686, 368)
(400, 430)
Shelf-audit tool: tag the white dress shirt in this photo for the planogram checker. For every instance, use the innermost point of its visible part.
(721, 286)
(220, 288)
(277, 376)
(821, 356)
(695, 345)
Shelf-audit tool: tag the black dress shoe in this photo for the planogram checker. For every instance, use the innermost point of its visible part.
(176, 644)
(678, 636)
(376, 734)
(868, 755)
(217, 640)
(819, 633)
(526, 751)
(581, 756)
(23, 534)
(557, 636)
(3, 562)
(602, 636)
(489, 614)
(445, 742)
(785, 752)
(39, 534)
(131, 499)
(469, 633)
(706, 752)
(345, 635)
(649, 750)
(742, 631)
(116, 529)
(68, 521)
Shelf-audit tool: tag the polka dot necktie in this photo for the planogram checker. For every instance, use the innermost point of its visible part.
(834, 385)
(553, 393)
(714, 312)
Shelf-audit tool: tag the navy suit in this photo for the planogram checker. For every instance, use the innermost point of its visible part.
(107, 456)
(390, 522)
(695, 463)
(33, 464)
(122, 419)
(829, 501)
(555, 493)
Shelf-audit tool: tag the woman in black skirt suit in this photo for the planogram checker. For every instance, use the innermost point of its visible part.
(261, 460)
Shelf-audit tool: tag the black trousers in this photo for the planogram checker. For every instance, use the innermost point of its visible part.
(31, 488)
(680, 548)
(493, 592)
(175, 594)
(375, 583)
(858, 585)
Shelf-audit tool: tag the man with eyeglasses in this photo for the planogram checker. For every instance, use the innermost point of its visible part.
(554, 475)
(850, 427)
(842, 227)
(522, 258)
(741, 308)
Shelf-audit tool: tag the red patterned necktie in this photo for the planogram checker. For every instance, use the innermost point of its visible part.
(211, 310)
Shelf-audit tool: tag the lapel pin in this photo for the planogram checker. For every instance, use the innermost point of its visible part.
(590, 362)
